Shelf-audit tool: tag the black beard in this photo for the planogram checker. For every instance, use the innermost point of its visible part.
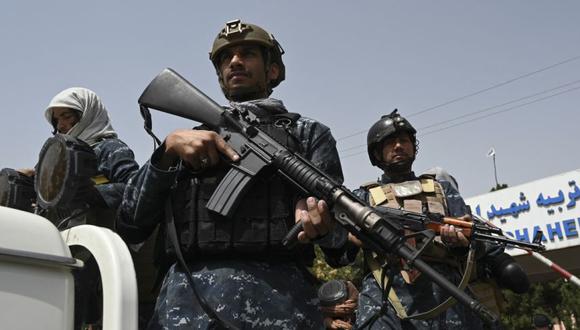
(242, 95)
(399, 169)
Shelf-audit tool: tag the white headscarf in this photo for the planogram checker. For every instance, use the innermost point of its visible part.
(94, 123)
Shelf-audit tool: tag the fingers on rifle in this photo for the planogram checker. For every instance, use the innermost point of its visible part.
(462, 240)
(317, 215)
(309, 228)
(354, 240)
(213, 154)
(203, 149)
(453, 236)
(444, 232)
(312, 205)
(194, 152)
(448, 234)
(223, 147)
(301, 207)
(323, 209)
(325, 215)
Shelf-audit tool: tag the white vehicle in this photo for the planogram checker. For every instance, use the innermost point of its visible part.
(36, 273)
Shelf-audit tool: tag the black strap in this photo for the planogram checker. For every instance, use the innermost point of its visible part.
(148, 125)
(172, 234)
(388, 273)
(73, 216)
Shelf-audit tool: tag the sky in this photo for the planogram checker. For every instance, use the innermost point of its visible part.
(501, 74)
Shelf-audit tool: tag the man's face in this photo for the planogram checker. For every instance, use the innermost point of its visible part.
(244, 73)
(64, 119)
(398, 148)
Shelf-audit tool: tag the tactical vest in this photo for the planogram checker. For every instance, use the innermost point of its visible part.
(262, 219)
(422, 195)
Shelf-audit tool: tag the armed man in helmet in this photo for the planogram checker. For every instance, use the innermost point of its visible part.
(242, 275)
(413, 301)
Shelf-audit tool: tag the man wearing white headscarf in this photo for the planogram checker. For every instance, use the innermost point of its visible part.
(79, 112)
(94, 123)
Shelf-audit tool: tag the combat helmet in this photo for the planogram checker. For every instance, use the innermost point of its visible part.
(237, 32)
(388, 125)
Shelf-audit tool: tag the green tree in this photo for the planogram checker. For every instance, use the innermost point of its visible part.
(558, 299)
(322, 271)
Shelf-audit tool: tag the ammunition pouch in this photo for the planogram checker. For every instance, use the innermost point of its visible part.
(261, 221)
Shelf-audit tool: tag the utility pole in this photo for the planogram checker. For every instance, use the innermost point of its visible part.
(491, 153)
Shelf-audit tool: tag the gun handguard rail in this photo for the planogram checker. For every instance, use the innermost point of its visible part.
(171, 93)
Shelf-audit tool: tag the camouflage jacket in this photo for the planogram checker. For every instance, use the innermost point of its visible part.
(142, 208)
(245, 293)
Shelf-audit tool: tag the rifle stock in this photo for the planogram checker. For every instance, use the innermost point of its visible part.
(171, 93)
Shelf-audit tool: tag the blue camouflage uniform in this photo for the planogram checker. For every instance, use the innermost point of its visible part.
(116, 162)
(374, 310)
(248, 289)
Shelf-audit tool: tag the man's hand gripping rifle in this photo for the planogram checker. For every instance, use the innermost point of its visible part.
(171, 93)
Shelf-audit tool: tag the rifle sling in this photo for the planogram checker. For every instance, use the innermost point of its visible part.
(395, 301)
(172, 233)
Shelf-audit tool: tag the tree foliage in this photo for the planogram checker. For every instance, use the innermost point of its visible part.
(324, 272)
(559, 300)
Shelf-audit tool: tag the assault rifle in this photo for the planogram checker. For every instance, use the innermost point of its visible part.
(171, 93)
(476, 230)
